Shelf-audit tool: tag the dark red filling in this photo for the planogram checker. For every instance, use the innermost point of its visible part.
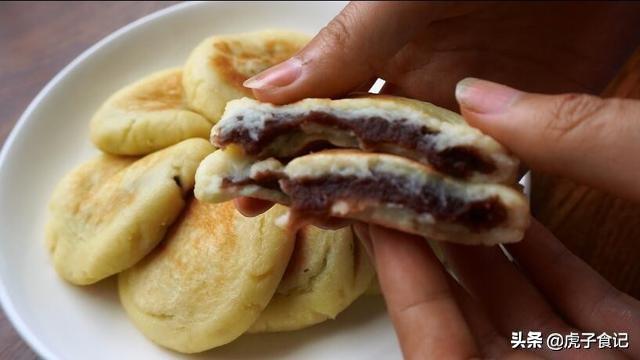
(316, 196)
(374, 133)
(268, 181)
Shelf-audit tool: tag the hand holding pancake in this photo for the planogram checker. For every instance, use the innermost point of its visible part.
(432, 313)
(442, 43)
(550, 290)
(391, 161)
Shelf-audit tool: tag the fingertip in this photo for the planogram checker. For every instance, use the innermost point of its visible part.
(485, 98)
(280, 75)
(488, 106)
(251, 207)
(277, 96)
(331, 223)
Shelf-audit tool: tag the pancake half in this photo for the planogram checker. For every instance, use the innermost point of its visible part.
(327, 272)
(147, 116)
(209, 280)
(413, 129)
(216, 68)
(110, 212)
(384, 189)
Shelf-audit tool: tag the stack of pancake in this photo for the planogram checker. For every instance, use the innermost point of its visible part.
(194, 275)
(386, 160)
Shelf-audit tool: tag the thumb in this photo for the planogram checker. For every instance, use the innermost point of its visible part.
(345, 54)
(585, 138)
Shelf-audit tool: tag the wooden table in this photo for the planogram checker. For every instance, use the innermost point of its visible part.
(37, 40)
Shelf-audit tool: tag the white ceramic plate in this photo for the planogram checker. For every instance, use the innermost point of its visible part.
(61, 321)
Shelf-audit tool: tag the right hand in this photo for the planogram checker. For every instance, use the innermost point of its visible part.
(546, 288)
(411, 45)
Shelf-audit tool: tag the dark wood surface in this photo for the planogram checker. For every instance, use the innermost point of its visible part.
(38, 39)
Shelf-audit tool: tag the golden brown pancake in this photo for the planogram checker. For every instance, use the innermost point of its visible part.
(147, 116)
(327, 272)
(209, 280)
(110, 212)
(216, 68)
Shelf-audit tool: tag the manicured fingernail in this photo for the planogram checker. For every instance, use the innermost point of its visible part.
(485, 97)
(277, 76)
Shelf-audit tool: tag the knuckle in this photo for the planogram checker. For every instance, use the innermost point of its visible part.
(574, 111)
(337, 34)
(422, 305)
(345, 36)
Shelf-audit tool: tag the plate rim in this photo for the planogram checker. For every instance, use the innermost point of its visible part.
(16, 320)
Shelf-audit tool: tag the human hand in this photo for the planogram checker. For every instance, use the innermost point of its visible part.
(423, 49)
(550, 289)
(547, 288)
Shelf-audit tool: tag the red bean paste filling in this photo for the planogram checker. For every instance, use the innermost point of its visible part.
(458, 161)
(266, 180)
(316, 196)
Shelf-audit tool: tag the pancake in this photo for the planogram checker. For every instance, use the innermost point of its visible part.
(209, 280)
(417, 130)
(227, 174)
(218, 66)
(147, 116)
(110, 212)
(327, 272)
(383, 189)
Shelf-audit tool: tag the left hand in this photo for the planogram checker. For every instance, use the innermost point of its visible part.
(547, 289)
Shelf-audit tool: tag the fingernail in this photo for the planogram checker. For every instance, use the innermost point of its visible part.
(277, 76)
(485, 97)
